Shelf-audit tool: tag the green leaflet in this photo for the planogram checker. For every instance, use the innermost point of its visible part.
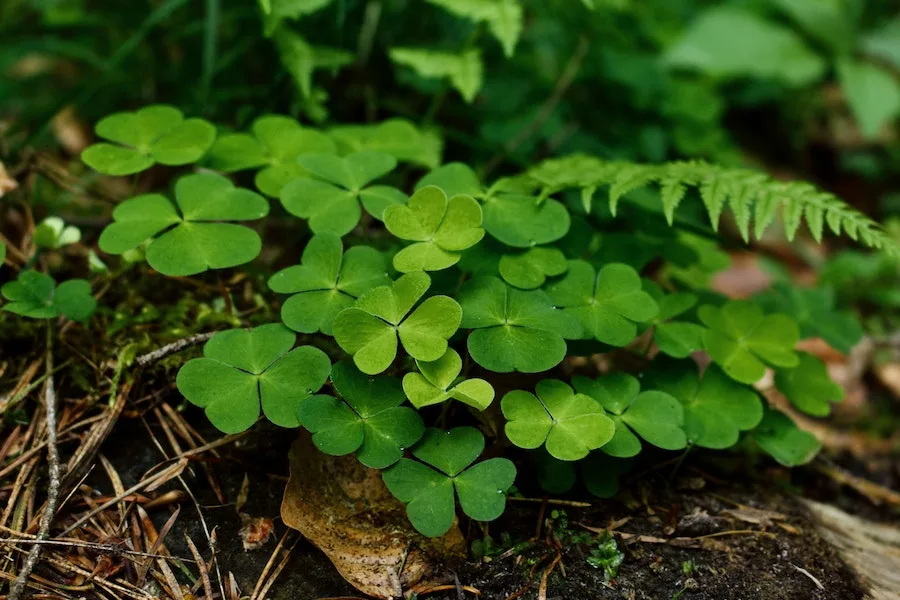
(503, 18)
(675, 338)
(784, 441)
(465, 71)
(530, 269)
(525, 221)
(808, 386)
(436, 382)
(397, 137)
(52, 232)
(36, 295)
(245, 369)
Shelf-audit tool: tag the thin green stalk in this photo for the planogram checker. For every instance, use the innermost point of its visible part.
(210, 47)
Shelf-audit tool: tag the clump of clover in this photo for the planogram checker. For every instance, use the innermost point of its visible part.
(434, 294)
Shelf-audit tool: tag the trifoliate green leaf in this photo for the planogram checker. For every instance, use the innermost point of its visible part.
(716, 408)
(607, 304)
(455, 179)
(678, 339)
(514, 330)
(190, 239)
(465, 71)
(784, 441)
(326, 281)
(52, 232)
(369, 420)
(243, 369)
(274, 147)
(36, 295)
(428, 487)
(530, 269)
(569, 424)
(503, 18)
(397, 137)
(808, 386)
(153, 134)
(742, 340)
(525, 221)
(433, 384)
(440, 228)
(654, 415)
(331, 200)
(370, 328)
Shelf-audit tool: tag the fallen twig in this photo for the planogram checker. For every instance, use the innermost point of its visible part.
(169, 349)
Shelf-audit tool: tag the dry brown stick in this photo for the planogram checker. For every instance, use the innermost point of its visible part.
(169, 349)
(276, 572)
(201, 565)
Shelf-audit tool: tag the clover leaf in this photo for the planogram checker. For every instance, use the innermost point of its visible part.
(523, 221)
(36, 295)
(274, 147)
(808, 386)
(369, 420)
(601, 472)
(654, 415)
(530, 269)
(52, 232)
(434, 383)
(675, 338)
(326, 281)
(369, 329)
(398, 137)
(716, 408)
(569, 424)
(455, 179)
(784, 441)
(189, 239)
(153, 134)
(330, 199)
(742, 340)
(607, 304)
(428, 487)
(243, 369)
(515, 330)
(440, 228)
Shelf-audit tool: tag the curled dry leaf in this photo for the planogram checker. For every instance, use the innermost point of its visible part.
(345, 509)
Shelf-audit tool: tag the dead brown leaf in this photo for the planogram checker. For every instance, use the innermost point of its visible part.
(756, 516)
(346, 510)
(7, 183)
(255, 531)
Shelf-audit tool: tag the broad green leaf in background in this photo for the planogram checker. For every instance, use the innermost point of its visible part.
(440, 229)
(525, 221)
(153, 134)
(675, 338)
(569, 424)
(427, 487)
(369, 420)
(873, 93)
(273, 147)
(369, 329)
(398, 137)
(808, 386)
(654, 415)
(515, 330)
(884, 42)
(530, 269)
(52, 232)
(455, 179)
(326, 281)
(742, 340)
(330, 199)
(36, 295)
(830, 22)
(243, 369)
(301, 58)
(607, 303)
(503, 18)
(728, 41)
(784, 441)
(434, 383)
(716, 408)
(191, 238)
(274, 11)
(465, 71)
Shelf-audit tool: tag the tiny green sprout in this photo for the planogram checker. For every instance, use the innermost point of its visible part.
(153, 134)
(688, 567)
(608, 303)
(369, 420)
(369, 329)
(455, 179)
(570, 425)
(326, 281)
(654, 415)
(742, 340)
(675, 338)
(524, 221)
(434, 383)
(274, 147)
(716, 408)
(607, 556)
(515, 330)
(191, 238)
(53, 233)
(330, 199)
(780, 437)
(36, 295)
(440, 229)
(808, 386)
(427, 487)
(245, 369)
(530, 269)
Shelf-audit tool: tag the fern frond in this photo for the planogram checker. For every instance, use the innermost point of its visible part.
(750, 195)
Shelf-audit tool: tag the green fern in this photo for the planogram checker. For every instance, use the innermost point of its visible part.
(751, 195)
